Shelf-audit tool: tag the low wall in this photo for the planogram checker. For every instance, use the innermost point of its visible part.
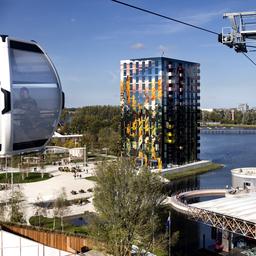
(185, 167)
(177, 201)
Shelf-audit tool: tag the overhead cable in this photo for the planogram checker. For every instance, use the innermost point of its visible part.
(249, 58)
(178, 21)
(165, 17)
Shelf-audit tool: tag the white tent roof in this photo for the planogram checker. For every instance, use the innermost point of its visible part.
(58, 135)
(238, 206)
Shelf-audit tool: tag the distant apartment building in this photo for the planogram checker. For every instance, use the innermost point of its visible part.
(243, 107)
(233, 114)
(160, 110)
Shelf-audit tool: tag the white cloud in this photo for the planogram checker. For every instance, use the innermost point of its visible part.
(171, 27)
(138, 46)
(202, 18)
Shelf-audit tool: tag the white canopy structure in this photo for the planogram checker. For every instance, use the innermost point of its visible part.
(242, 206)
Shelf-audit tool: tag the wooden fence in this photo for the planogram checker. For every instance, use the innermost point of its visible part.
(60, 240)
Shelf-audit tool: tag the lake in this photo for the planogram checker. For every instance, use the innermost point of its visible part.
(232, 150)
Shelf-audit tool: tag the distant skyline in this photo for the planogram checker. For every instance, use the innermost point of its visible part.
(86, 39)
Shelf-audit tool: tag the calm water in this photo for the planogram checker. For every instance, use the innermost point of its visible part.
(233, 151)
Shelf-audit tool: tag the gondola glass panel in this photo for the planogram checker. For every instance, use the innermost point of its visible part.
(35, 97)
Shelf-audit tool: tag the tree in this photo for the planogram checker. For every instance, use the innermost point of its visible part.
(89, 140)
(69, 144)
(2, 210)
(128, 202)
(110, 139)
(60, 207)
(16, 206)
(42, 167)
(40, 210)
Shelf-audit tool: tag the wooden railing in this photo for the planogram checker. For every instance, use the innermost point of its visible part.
(72, 243)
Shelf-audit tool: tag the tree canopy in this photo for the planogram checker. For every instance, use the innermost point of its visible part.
(90, 119)
(100, 126)
(229, 116)
(128, 202)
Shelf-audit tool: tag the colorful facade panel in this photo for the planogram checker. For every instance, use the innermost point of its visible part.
(159, 100)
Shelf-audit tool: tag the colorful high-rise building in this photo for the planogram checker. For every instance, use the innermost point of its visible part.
(160, 111)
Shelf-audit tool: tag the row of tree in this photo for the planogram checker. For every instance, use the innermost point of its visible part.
(14, 209)
(229, 117)
(90, 119)
(100, 126)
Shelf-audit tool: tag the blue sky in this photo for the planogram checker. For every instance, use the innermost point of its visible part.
(86, 39)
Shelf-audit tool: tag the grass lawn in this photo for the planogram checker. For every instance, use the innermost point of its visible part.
(192, 172)
(48, 223)
(27, 178)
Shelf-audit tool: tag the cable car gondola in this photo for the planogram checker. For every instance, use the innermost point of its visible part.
(31, 98)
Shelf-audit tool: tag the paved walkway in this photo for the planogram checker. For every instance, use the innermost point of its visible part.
(49, 189)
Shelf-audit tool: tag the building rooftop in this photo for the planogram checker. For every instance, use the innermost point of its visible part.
(158, 58)
(241, 206)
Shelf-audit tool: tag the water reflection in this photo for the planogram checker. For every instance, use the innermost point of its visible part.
(185, 184)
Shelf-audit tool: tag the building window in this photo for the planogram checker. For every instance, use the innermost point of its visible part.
(130, 64)
(156, 71)
(124, 65)
(137, 64)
